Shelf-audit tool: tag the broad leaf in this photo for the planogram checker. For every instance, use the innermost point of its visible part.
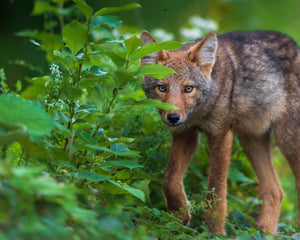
(110, 10)
(42, 7)
(92, 148)
(108, 21)
(122, 163)
(120, 149)
(94, 71)
(84, 8)
(122, 77)
(156, 103)
(155, 70)
(236, 175)
(75, 36)
(117, 59)
(15, 111)
(90, 176)
(155, 47)
(135, 192)
(132, 44)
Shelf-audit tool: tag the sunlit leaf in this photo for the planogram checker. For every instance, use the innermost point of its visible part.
(155, 47)
(155, 70)
(84, 8)
(156, 103)
(122, 77)
(117, 59)
(42, 7)
(135, 192)
(108, 21)
(94, 71)
(132, 44)
(110, 10)
(120, 149)
(15, 111)
(75, 36)
(91, 176)
(122, 163)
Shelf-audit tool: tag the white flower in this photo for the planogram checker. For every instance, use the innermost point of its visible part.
(55, 79)
(205, 24)
(191, 33)
(162, 35)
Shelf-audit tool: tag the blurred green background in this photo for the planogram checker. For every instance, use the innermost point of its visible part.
(170, 15)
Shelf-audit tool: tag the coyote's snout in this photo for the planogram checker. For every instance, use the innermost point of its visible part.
(243, 83)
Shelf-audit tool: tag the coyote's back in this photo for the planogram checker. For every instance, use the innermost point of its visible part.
(243, 83)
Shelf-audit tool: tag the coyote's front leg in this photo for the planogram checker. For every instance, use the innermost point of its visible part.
(220, 154)
(182, 148)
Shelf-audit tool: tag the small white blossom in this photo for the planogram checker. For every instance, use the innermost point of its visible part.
(191, 33)
(198, 27)
(205, 24)
(162, 35)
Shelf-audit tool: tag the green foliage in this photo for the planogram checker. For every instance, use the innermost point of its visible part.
(82, 151)
(36, 122)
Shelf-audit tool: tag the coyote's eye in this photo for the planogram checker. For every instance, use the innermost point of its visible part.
(188, 88)
(162, 88)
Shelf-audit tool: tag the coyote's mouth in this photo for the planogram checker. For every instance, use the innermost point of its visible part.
(173, 125)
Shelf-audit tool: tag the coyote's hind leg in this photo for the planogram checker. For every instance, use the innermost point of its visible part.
(258, 151)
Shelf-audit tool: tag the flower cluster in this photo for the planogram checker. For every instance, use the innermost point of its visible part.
(55, 80)
(54, 83)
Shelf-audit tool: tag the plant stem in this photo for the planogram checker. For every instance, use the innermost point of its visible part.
(72, 107)
(72, 112)
(115, 93)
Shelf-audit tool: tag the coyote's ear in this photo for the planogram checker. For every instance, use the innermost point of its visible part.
(152, 58)
(204, 53)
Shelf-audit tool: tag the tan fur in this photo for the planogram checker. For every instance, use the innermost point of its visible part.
(243, 83)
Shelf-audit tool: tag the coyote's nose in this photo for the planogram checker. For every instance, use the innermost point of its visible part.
(173, 117)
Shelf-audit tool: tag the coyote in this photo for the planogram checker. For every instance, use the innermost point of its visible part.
(243, 83)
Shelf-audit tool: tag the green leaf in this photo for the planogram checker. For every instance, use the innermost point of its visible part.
(117, 59)
(92, 148)
(122, 77)
(75, 36)
(84, 8)
(236, 175)
(42, 7)
(122, 163)
(15, 111)
(71, 92)
(132, 44)
(50, 40)
(94, 71)
(120, 149)
(156, 103)
(65, 164)
(10, 134)
(63, 129)
(155, 47)
(107, 21)
(90, 176)
(36, 87)
(110, 10)
(155, 70)
(135, 192)
(123, 174)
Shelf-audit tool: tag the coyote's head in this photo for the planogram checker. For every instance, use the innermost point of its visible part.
(191, 87)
